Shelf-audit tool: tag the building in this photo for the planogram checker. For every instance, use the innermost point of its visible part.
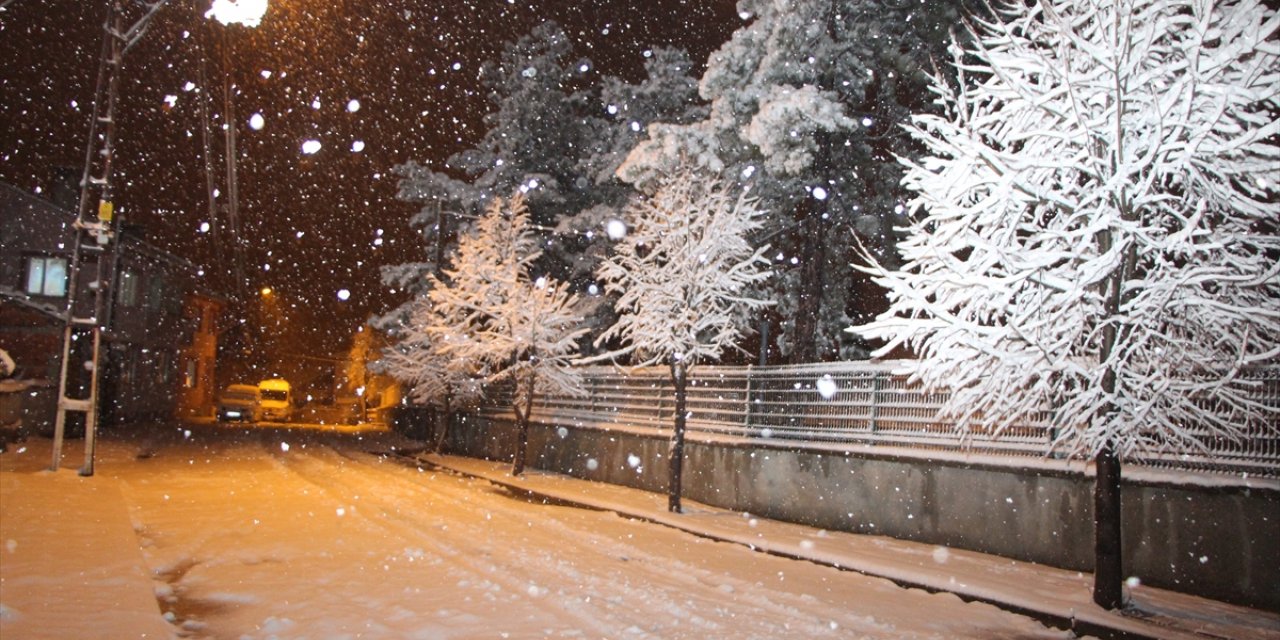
(160, 343)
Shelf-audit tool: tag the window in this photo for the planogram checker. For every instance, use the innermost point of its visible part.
(164, 367)
(157, 294)
(47, 276)
(128, 294)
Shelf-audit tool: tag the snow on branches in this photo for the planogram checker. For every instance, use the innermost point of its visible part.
(517, 326)
(1096, 227)
(419, 360)
(684, 272)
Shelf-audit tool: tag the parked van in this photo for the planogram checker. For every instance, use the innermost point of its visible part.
(238, 402)
(276, 401)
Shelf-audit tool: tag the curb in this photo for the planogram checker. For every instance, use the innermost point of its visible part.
(1101, 624)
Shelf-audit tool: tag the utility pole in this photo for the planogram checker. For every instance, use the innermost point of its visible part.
(96, 228)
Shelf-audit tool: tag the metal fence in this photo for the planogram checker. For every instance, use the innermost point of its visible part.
(854, 403)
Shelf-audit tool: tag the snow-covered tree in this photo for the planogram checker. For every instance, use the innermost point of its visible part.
(805, 101)
(558, 130)
(684, 275)
(520, 329)
(433, 376)
(1096, 231)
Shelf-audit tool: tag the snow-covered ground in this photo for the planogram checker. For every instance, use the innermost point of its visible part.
(305, 534)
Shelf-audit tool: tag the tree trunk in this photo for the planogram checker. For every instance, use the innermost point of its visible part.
(676, 455)
(445, 416)
(1108, 571)
(809, 296)
(1108, 562)
(522, 427)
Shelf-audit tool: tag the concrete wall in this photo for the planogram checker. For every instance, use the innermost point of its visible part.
(1214, 541)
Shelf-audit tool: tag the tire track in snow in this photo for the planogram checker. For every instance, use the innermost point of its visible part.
(699, 594)
(417, 525)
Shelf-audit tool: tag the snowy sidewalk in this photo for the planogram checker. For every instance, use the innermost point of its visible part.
(1058, 596)
(70, 566)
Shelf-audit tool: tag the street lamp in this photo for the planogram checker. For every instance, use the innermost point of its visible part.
(246, 12)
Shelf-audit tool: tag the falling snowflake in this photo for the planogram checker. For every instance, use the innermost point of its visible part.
(827, 387)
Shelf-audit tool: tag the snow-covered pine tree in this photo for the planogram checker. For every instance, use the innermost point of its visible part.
(805, 105)
(1096, 232)
(684, 274)
(521, 329)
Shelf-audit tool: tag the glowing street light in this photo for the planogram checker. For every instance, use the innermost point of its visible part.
(246, 12)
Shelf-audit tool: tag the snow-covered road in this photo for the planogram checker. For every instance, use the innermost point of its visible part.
(305, 534)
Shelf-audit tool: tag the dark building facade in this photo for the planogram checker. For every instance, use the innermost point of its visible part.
(160, 343)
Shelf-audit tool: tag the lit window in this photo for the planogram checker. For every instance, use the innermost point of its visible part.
(47, 276)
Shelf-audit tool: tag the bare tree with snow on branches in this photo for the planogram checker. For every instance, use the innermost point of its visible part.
(1096, 231)
(684, 274)
(515, 327)
(434, 377)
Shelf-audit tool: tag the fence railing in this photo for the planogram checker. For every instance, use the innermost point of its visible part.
(856, 403)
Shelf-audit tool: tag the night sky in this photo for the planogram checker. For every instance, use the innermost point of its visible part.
(412, 65)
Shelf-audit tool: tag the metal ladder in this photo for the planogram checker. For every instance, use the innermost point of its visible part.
(95, 228)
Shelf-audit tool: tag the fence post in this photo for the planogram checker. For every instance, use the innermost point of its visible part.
(875, 399)
(746, 419)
